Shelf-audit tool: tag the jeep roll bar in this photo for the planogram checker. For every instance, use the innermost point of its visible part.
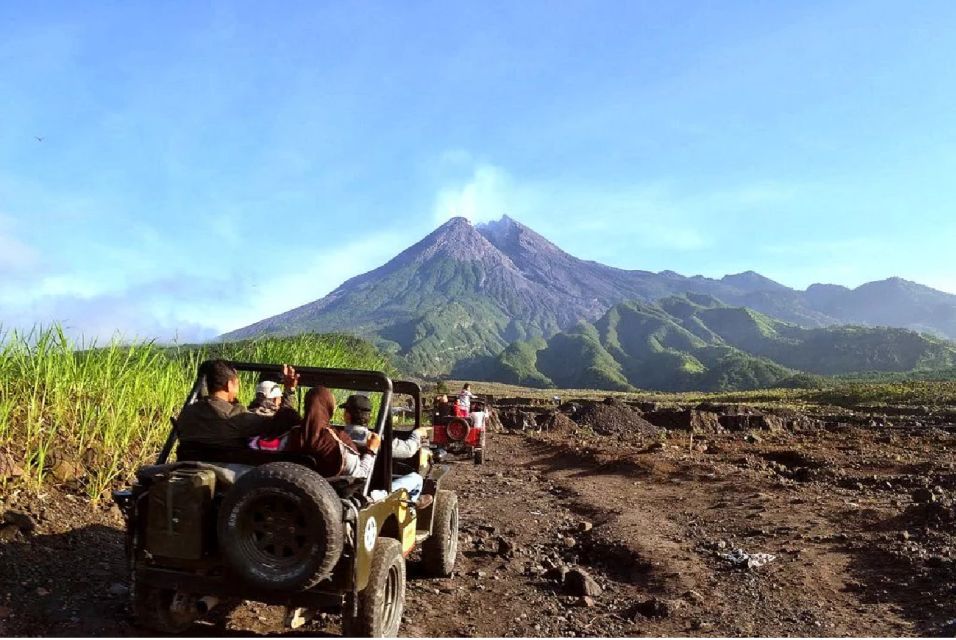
(409, 388)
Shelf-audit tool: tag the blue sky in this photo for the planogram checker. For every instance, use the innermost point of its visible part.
(204, 165)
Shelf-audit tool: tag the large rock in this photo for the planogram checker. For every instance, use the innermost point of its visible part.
(558, 573)
(558, 422)
(506, 548)
(9, 532)
(578, 582)
(652, 608)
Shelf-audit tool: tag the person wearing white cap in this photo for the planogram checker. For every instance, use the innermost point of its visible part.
(268, 398)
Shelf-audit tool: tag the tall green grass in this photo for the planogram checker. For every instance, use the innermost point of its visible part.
(107, 407)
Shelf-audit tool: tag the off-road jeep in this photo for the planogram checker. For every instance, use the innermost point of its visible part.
(267, 527)
(458, 435)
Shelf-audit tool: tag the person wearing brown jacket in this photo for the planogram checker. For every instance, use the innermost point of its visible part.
(219, 420)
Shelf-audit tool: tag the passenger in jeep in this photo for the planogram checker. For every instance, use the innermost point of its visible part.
(358, 412)
(219, 420)
(269, 398)
(335, 452)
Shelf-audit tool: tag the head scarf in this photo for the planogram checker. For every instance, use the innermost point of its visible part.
(316, 435)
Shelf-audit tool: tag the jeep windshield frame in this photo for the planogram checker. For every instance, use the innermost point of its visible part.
(413, 389)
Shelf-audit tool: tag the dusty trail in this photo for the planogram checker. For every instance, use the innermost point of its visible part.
(649, 525)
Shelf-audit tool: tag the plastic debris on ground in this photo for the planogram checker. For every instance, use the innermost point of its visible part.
(742, 559)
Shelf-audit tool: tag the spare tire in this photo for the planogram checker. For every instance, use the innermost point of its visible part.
(280, 527)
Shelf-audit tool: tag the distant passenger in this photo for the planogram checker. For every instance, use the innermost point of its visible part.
(443, 408)
(269, 399)
(478, 415)
(463, 406)
(218, 420)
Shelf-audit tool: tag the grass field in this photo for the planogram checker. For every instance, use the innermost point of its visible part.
(107, 407)
(839, 393)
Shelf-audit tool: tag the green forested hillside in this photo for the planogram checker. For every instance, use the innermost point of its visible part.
(456, 302)
(695, 342)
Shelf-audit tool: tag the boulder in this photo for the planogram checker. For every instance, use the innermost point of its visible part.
(751, 422)
(505, 548)
(558, 422)
(8, 533)
(517, 420)
(735, 422)
(578, 582)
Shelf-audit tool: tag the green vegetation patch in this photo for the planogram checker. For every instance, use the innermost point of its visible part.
(686, 343)
(107, 408)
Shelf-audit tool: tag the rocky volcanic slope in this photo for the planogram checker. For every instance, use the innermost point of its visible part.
(466, 291)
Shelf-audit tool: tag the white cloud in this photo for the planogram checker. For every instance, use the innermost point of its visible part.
(484, 196)
(183, 307)
(646, 214)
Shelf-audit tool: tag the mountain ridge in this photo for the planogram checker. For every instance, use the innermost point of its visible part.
(695, 342)
(468, 291)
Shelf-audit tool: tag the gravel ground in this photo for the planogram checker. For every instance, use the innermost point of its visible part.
(568, 534)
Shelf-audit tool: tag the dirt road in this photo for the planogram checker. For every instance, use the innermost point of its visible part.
(654, 526)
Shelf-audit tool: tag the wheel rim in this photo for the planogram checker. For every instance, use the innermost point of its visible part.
(274, 530)
(458, 430)
(391, 604)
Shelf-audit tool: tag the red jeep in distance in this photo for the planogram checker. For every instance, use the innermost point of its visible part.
(458, 434)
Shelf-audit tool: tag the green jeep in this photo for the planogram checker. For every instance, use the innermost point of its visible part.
(266, 526)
